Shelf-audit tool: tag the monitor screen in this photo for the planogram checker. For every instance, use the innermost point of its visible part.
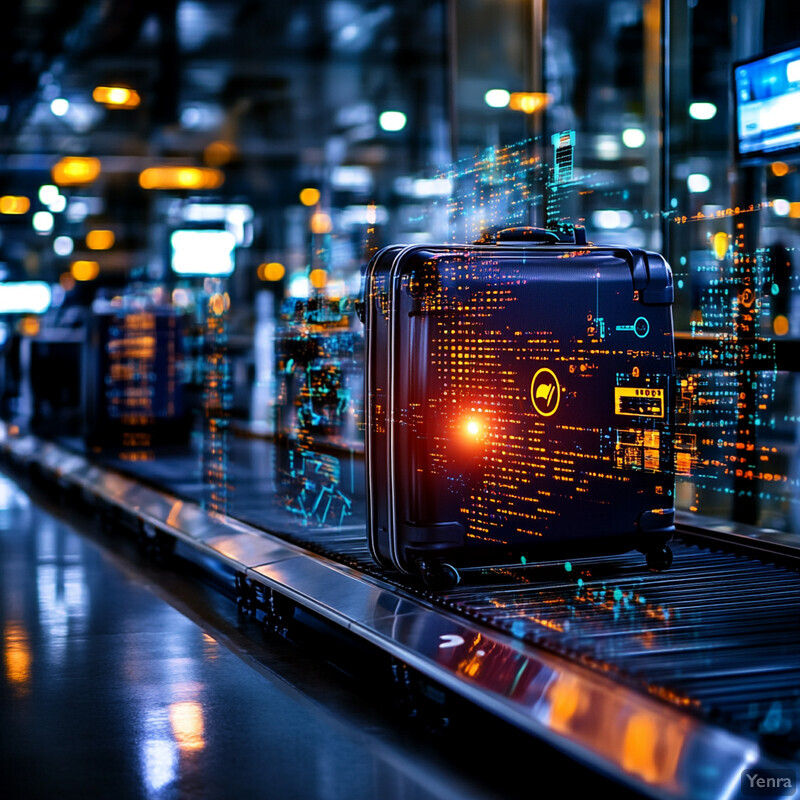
(767, 103)
(203, 252)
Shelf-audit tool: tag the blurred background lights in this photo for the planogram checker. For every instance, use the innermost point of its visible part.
(271, 271)
(84, 270)
(497, 98)
(321, 223)
(633, 137)
(392, 121)
(698, 182)
(781, 207)
(610, 219)
(116, 96)
(299, 286)
(181, 178)
(607, 147)
(25, 297)
(100, 239)
(702, 110)
(309, 196)
(42, 222)
(17, 204)
(73, 170)
(529, 102)
(59, 106)
(779, 168)
(63, 245)
(48, 193)
(780, 325)
(719, 243)
(59, 204)
(318, 278)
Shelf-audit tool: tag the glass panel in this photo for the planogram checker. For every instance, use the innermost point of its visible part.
(732, 240)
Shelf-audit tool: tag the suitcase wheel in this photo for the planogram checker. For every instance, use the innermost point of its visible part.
(659, 559)
(439, 575)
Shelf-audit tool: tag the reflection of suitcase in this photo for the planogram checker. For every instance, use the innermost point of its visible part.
(519, 403)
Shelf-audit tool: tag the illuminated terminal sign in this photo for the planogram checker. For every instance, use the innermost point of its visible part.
(203, 252)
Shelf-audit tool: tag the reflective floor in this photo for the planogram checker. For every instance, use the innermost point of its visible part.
(121, 679)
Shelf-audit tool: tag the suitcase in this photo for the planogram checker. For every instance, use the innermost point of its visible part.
(519, 403)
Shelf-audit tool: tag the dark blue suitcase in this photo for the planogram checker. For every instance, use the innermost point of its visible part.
(519, 403)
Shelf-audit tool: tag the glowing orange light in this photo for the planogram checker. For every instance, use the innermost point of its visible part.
(218, 305)
(318, 278)
(529, 102)
(780, 325)
(84, 270)
(186, 720)
(11, 204)
(28, 326)
(181, 178)
(321, 223)
(17, 655)
(100, 239)
(309, 196)
(779, 168)
(473, 427)
(116, 96)
(566, 700)
(219, 153)
(794, 210)
(73, 171)
(720, 245)
(272, 271)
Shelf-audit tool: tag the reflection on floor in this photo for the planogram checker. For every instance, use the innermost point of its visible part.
(107, 690)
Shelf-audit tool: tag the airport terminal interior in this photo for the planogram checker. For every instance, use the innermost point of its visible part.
(340, 339)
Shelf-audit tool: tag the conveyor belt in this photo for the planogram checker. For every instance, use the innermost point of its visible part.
(716, 636)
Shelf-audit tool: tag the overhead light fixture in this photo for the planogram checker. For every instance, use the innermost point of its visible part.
(181, 178)
(528, 102)
(116, 96)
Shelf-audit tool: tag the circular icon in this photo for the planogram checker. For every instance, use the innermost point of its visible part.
(545, 392)
(641, 327)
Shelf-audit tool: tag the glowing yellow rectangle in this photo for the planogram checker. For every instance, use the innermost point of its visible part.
(631, 401)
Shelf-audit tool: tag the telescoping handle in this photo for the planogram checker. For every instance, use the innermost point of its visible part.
(530, 235)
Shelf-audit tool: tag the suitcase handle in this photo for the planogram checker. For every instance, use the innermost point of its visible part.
(530, 235)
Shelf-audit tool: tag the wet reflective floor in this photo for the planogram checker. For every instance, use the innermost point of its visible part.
(120, 679)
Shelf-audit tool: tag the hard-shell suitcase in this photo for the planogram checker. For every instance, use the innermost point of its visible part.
(519, 403)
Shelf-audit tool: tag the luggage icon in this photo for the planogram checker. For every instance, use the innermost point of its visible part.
(545, 390)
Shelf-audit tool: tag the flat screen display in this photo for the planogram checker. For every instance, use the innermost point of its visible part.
(767, 94)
